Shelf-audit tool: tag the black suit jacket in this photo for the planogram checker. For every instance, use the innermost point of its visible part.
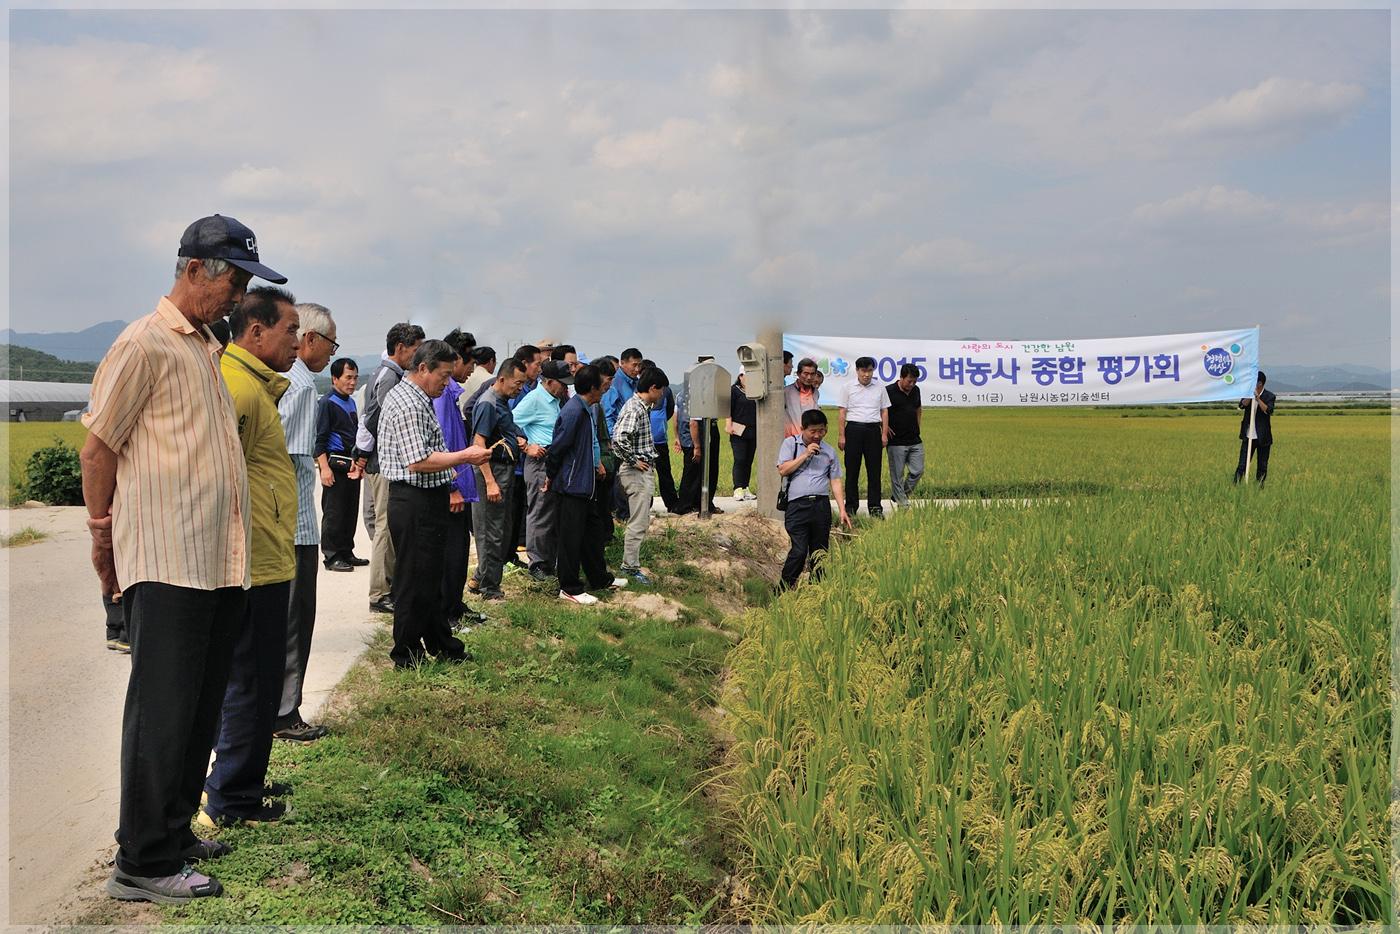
(1264, 433)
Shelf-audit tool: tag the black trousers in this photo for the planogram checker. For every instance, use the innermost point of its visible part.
(456, 548)
(808, 524)
(583, 531)
(515, 530)
(181, 648)
(665, 480)
(688, 500)
(418, 528)
(603, 506)
(340, 506)
(1261, 461)
(116, 619)
(236, 781)
(743, 447)
(301, 623)
(863, 446)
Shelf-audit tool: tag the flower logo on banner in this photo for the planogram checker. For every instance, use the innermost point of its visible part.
(1220, 361)
(837, 367)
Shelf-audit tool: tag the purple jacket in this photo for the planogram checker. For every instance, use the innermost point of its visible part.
(454, 434)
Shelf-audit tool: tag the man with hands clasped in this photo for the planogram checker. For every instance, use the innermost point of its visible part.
(863, 431)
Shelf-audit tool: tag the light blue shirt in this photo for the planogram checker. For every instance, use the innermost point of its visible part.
(814, 477)
(536, 414)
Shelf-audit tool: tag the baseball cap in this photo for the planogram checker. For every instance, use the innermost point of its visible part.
(219, 237)
(557, 369)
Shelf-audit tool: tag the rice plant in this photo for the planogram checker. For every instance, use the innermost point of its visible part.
(1164, 702)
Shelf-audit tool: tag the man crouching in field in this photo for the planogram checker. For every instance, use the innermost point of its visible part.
(809, 466)
(173, 534)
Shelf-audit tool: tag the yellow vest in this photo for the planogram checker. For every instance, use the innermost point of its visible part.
(272, 483)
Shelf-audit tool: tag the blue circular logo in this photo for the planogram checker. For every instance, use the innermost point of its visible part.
(1219, 361)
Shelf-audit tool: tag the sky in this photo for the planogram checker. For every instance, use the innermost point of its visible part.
(676, 179)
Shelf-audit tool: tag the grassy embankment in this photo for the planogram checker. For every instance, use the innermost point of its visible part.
(1153, 698)
(558, 777)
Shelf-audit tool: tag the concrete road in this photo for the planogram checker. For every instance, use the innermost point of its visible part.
(66, 691)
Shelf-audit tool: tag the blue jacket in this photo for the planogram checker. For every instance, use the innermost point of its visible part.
(661, 417)
(570, 463)
(623, 388)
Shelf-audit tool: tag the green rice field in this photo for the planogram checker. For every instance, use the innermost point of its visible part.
(22, 439)
(1133, 693)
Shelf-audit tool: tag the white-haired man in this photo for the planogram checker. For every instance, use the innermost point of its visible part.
(297, 409)
(175, 540)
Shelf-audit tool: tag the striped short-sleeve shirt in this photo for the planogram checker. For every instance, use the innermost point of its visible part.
(297, 408)
(180, 513)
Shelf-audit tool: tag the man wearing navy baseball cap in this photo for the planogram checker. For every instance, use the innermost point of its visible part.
(166, 488)
(219, 237)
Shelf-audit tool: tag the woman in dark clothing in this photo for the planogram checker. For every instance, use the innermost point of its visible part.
(743, 437)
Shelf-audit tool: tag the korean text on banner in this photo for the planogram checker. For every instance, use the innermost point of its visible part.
(1204, 367)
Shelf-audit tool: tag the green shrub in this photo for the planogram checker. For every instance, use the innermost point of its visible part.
(53, 475)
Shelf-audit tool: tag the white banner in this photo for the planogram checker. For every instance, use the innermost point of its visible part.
(1216, 365)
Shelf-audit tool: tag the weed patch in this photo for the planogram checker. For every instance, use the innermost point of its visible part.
(25, 536)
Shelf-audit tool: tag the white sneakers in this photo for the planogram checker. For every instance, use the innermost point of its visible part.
(587, 599)
(742, 493)
(583, 599)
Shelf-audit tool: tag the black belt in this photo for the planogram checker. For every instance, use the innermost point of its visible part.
(803, 499)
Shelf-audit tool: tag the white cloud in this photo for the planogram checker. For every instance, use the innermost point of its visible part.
(951, 256)
(1217, 210)
(671, 143)
(788, 272)
(727, 81)
(1216, 203)
(1274, 106)
(97, 100)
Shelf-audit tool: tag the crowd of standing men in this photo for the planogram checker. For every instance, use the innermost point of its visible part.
(209, 574)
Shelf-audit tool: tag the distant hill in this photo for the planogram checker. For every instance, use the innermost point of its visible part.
(26, 363)
(89, 344)
(1341, 378)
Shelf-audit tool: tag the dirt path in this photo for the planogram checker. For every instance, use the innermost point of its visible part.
(65, 691)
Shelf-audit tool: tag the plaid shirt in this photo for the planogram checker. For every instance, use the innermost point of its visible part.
(408, 432)
(631, 435)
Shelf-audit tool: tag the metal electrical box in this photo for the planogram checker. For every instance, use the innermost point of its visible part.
(707, 390)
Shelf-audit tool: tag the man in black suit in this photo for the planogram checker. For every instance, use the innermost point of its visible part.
(1263, 434)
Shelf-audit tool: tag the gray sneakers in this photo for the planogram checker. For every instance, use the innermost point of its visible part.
(182, 887)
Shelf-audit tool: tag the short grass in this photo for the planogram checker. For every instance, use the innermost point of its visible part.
(1151, 697)
(23, 439)
(557, 778)
(25, 536)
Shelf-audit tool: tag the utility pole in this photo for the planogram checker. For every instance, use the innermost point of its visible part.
(772, 420)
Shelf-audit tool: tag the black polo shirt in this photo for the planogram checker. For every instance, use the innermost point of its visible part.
(904, 415)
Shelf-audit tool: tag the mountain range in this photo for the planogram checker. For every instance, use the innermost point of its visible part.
(89, 344)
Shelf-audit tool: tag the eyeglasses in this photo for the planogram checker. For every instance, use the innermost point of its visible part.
(335, 345)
